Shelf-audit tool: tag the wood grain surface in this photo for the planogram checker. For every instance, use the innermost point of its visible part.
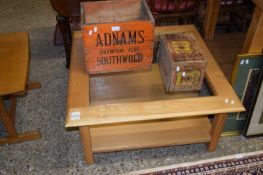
(14, 58)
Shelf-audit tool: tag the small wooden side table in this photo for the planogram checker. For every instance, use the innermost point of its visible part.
(14, 63)
(254, 38)
(131, 110)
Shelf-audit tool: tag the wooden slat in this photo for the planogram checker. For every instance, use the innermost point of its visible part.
(78, 95)
(14, 60)
(150, 134)
(142, 126)
(126, 112)
(117, 10)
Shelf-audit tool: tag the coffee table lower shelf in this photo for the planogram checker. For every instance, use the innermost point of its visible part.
(147, 134)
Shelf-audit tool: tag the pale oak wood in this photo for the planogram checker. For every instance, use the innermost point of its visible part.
(254, 38)
(14, 54)
(80, 98)
(87, 143)
(211, 15)
(216, 130)
(78, 95)
(126, 112)
(128, 127)
(158, 133)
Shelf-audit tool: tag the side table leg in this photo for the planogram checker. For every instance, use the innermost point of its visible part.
(87, 144)
(216, 130)
(12, 110)
(253, 42)
(211, 14)
(8, 122)
(33, 85)
(64, 27)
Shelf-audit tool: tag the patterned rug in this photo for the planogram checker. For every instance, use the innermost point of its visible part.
(240, 164)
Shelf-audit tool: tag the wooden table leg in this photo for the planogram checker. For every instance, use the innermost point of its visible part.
(87, 143)
(64, 27)
(7, 120)
(9, 124)
(216, 130)
(33, 85)
(209, 25)
(254, 38)
(12, 109)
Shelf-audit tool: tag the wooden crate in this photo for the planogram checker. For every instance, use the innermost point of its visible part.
(117, 35)
(181, 62)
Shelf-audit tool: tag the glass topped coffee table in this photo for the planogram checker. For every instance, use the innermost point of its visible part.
(130, 110)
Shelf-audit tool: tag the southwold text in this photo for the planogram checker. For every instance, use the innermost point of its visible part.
(120, 55)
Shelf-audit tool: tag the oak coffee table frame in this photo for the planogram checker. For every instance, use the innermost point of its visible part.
(113, 113)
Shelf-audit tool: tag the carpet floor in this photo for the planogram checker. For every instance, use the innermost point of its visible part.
(238, 164)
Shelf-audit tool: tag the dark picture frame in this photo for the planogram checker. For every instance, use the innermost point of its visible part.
(245, 77)
(254, 124)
